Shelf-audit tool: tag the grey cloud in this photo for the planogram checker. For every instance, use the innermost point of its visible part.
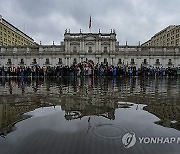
(133, 20)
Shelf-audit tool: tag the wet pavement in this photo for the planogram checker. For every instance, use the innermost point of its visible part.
(89, 115)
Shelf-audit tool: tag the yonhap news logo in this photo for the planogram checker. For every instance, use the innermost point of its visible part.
(130, 139)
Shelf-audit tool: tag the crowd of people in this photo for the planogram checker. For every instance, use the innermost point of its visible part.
(86, 69)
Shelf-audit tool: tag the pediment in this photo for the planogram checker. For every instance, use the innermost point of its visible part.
(105, 43)
(75, 43)
(89, 43)
(90, 37)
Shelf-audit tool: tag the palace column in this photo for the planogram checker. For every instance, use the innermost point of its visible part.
(96, 46)
(100, 46)
(83, 46)
(69, 46)
(66, 61)
(80, 47)
(66, 46)
(111, 44)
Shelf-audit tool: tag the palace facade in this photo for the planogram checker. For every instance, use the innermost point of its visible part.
(96, 47)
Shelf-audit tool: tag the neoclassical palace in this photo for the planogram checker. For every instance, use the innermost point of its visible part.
(97, 47)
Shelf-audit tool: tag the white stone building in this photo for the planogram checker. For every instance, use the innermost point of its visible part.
(97, 47)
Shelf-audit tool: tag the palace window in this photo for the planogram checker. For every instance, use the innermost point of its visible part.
(105, 50)
(74, 49)
(145, 61)
(22, 61)
(90, 50)
(105, 61)
(119, 61)
(177, 41)
(98, 60)
(170, 62)
(34, 61)
(60, 61)
(47, 61)
(75, 61)
(9, 62)
(132, 62)
(157, 62)
(81, 59)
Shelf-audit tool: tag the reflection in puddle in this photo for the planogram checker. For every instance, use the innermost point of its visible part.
(87, 110)
(169, 114)
(110, 132)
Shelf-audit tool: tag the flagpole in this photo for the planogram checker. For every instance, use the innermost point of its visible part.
(90, 23)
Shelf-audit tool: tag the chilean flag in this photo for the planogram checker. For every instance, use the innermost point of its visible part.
(90, 22)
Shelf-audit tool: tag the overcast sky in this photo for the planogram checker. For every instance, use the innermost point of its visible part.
(133, 20)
